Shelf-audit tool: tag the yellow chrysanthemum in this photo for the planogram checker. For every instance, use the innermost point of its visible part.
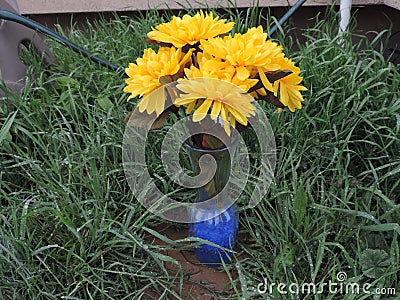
(145, 74)
(189, 30)
(210, 67)
(289, 88)
(215, 97)
(249, 53)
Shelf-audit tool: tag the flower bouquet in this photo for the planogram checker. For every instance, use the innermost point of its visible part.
(203, 69)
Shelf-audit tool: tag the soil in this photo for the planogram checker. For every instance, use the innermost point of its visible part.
(200, 282)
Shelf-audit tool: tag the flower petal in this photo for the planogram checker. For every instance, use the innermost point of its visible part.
(200, 113)
(265, 81)
(216, 108)
(242, 73)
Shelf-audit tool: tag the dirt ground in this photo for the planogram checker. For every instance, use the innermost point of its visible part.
(200, 282)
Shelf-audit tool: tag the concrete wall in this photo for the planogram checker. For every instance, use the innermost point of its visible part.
(74, 6)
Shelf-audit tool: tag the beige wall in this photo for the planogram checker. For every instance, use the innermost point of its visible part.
(71, 6)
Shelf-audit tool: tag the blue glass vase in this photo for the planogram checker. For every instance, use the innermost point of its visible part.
(215, 223)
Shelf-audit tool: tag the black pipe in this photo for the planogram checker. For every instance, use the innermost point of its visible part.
(6, 15)
(287, 15)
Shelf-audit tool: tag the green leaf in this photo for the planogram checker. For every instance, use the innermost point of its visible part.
(375, 241)
(66, 81)
(5, 130)
(287, 256)
(67, 222)
(300, 205)
(158, 235)
(374, 262)
(105, 103)
(383, 227)
(163, 257)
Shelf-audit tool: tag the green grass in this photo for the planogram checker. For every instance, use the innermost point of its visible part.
(70, 228)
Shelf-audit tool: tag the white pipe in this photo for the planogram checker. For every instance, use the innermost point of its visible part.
(345, 9)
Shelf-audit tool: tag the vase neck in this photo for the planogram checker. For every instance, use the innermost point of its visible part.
(222, 162)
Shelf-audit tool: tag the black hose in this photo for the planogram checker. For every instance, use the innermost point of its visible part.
(6, 15)
(287, 15)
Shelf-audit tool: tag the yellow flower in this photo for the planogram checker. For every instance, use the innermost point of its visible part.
(289, 88)
(215, 97)
(145, 74)
(210, 67)
(189, 30)
(249, 53)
